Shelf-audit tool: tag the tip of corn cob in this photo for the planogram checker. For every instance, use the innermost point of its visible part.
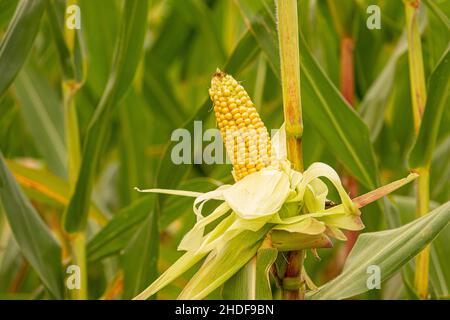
(246, 138)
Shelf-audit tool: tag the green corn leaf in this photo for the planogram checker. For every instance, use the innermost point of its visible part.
(158, 89)
(32, 235)
(245, 51)
(389, 250)
(263, 29)
(437, 34)
(134, 168)
(438, 92)
(43, 186)
(159, 92)
(18, 40)
(140, 258)
(173, 37)
(44, 117)
(345, 133)
(121, 228)
(99, 44)
(252, 282)
(439, 250)
(440, 171)
(128, 50)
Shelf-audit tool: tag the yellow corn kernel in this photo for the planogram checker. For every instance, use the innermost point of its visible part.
(247, 140)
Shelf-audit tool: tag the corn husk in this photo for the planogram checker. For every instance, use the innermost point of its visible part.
(285, 206)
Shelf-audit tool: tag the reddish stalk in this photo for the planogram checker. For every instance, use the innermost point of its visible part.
(347, 86)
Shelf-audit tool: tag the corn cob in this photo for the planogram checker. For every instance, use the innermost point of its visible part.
(246, 138)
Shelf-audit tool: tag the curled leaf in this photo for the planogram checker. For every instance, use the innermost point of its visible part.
(260, 194)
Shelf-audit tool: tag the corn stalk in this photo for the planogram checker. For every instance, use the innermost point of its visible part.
(70, 86)
(418, 97)
(290, 75)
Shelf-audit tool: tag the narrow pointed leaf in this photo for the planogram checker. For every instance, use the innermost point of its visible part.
(184, 263)
(43, 186)
(115, 236)
(18, 39)
(439, 250)
(32, 235)
(389, 250)
(140, 257)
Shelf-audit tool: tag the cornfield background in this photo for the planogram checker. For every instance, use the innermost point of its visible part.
(87, 114)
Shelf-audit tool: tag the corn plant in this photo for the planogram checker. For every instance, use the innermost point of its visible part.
(328, 176)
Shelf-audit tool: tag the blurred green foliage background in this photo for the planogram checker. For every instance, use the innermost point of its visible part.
(129, 234)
